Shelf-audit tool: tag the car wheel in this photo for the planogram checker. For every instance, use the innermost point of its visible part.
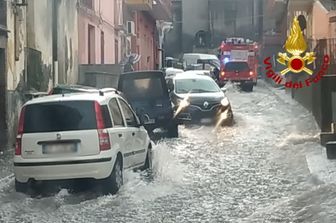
(172, 130)
(149, 160)
(114, 182)
(21, 187)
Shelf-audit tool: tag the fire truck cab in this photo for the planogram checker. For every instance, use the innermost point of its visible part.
(239, 62)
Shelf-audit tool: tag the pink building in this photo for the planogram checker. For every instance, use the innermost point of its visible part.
(145, 14)
(147, 43)
(99, 41)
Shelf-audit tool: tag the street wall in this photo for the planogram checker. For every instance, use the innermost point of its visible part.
(39, 55)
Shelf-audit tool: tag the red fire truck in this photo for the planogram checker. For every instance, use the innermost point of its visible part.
(239, 62)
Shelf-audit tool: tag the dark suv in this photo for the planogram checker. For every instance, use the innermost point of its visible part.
(147, 92)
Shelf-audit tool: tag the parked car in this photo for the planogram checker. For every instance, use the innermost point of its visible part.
(197, 58)
(147, 92)
(198, 99)
(79, 136)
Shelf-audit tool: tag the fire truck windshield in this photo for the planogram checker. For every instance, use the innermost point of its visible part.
(236, 66)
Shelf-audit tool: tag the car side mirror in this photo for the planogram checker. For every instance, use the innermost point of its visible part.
(143, 119)
(170, 88)
(224, 90)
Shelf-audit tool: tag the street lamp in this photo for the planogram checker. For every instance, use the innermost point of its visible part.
(163, 28)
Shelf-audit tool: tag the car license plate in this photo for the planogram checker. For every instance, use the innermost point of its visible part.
(206, 120)
(63, 148)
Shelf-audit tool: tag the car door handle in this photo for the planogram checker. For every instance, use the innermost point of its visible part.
(120, 135)
(133, 134)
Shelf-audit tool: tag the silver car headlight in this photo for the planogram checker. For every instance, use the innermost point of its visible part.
(183, 103)
(225, 102)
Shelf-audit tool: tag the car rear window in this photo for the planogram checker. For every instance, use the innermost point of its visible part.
(60, 116)
(143, 88)
(236, 66)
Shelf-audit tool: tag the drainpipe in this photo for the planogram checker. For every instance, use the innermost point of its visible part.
(163, 27)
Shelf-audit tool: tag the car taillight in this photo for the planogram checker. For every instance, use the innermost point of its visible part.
(18, 144)
(103, 136)
(223, 73)
(251, 73)
(104, 140)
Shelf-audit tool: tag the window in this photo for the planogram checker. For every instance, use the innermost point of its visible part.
(102, 47)
(106, 117)
(116, 113)
(129, 115)
(91, 44)
(88, 3)
(60, 116)
(236, 66)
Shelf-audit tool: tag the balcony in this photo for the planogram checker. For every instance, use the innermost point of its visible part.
(161, 9)
(142, 5)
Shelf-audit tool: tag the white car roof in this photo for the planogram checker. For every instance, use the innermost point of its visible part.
(73, 97)
(197, 72)
(192, 75)
(173, 70)
(202, 56)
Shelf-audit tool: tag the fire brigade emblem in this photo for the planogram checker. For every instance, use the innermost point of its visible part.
(295, 46)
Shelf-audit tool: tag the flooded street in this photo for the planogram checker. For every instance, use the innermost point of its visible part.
(268, 167)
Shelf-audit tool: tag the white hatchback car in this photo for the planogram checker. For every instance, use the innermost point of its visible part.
(79, 136)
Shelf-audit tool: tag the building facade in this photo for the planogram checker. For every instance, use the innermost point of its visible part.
(319, 29)
(99, 39)
(206, 23)
(38, 49)
(144, 40)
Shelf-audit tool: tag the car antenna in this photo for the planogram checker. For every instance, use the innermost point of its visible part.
(101, 93)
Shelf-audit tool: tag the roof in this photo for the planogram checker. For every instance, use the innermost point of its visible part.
(192, 75)
(140, 75)
(76, 87)
(71, 97)
(199, 72)
(245, 61)
(202, 55)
